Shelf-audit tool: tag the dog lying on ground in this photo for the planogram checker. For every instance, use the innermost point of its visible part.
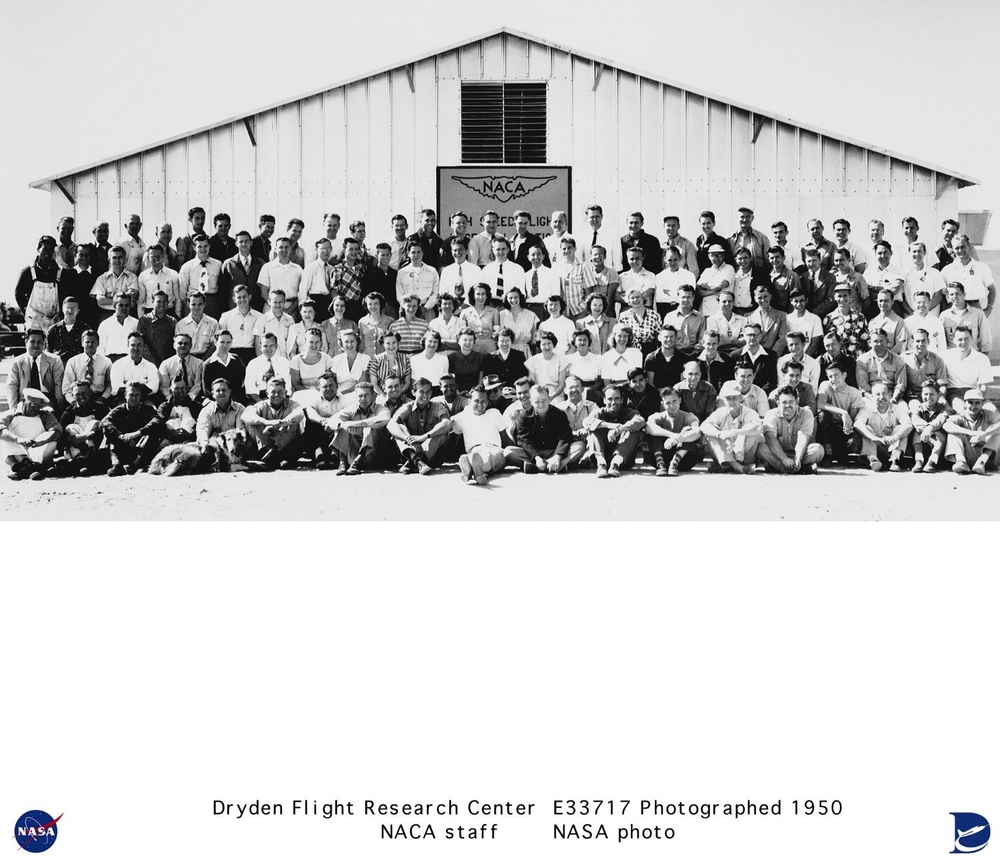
(219, 454)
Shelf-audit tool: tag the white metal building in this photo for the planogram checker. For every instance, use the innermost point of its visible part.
(371, 146)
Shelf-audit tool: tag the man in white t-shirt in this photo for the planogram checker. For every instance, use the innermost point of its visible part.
(669, 280)
(976, 277)
(806, 322)
(480, 427)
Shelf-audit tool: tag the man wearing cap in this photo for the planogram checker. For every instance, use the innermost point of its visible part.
(133, 431)
(37, 290)
(733, 433)
(480, 427)
(716, 276)
(541, 436)
(850, 325)
(636, 237)
(973, 436)
(753, 240)
(134, 368)
(275, 425)
(707, 239)
(967, 369)
(673, 433)
(839, 405)
(82, 434)
(614, 433)
(35, 368)
(90, 367)
(884, 428)
(976, 277)
(29, 436)
(789, 432)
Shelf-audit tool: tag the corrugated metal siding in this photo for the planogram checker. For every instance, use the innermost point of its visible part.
(371, 149)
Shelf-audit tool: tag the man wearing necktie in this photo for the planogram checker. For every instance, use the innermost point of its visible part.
(242, 269)
(35, 369)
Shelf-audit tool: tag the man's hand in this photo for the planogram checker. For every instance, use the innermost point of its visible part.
(553, 463)
(540, 464)
(614, 434)
(848, 425)
(796, 464)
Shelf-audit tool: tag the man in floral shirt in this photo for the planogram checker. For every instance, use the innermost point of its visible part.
(848, 324)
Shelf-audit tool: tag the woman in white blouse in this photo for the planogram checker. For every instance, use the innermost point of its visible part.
(584, 364)
(297, 336)
(621, 358)
(483, 319)
(430, 364)
(561, 326)
(350, 366)
(307, 367)
(520, 320)
(548, 368)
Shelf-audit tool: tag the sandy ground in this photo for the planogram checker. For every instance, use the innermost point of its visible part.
(310, 495)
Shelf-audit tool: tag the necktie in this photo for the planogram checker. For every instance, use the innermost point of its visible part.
(534, 283)
(500, 280)
(90, 369)
(184, 373)
(34, 378)
(459, 283)
(203, 278)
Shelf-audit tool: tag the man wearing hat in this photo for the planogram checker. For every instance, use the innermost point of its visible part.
(789, 434)
(29, 436)
(133, 431)
(37, 290)
(733, 433)
(480, 427)
(717, 276)
(37, 369)
(753, 240)
(973, 436)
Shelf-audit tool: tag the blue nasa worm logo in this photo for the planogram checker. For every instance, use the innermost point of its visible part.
(972, 833)
(36, 831)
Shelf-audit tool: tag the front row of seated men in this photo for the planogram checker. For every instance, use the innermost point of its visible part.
(495, 428)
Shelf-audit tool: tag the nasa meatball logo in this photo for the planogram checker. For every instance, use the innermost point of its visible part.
(503, 189)
(36, 831)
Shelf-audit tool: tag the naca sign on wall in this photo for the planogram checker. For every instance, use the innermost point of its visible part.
(474, 190)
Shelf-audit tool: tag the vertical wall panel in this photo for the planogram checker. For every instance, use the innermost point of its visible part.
(221, 154)
(131, 192)
(266, 131)
(741, 162)
(539, 61)
(561, 143)
(833, 167)
(153, 196)
(651, 153)
(516, 51)
(626, 149)
(493, 59)
(199, 161)
(765, 161)
(245, 213)
(605, 132)
(290, 168)
(176, 204)
(425, 146)
(470, 63)
(109, 197)
(856, 171)
(85, 194)
(380, 155)
(878, 174)
(787, 164)
(355, 203)
(901, 184)
(697, 147)
(674, 169)
(810, 164)
(583, 126)
(402, 146)
(447, 66)
(335, 149)
(313, 180)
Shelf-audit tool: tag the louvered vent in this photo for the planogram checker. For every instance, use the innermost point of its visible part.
(503, 123)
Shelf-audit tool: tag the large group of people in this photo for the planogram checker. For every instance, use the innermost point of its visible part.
(487, 351)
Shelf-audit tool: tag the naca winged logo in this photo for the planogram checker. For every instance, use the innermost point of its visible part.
(503, 189)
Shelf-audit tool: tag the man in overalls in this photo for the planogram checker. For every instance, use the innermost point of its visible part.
(37, 293)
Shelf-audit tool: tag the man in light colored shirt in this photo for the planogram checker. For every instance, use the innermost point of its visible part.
(920, 277)
(182, 364)
(117, 280)
(717, 277)
(789, 436)
(480, 427)
(199, 327)
(331, 226)
(595, 233)
(114, 331)
(753, 240)
(578, 409)
(884, 427)
(134, 247)
(88, 366)
(686, 248)
(559, 222)
(134, 368)
(460, 275)
(281, 273)
(277, 322)
(733, 433)
(158, 278)
(262, 369)
(842, 232)
(201, 275)
(795, 342)
(540, 282)
(961, 313)
(245, 325)
(671, 279)
(320, 407)
(397, 244)
(976, 277)
(973, 436)
(887, 321)
(966, 368)
(503, 274)
(923, 319)
(481, 245)
(638, 277)
(185, 244)
(806, 322)
(728, 324)
(839, 405)
(690, 324)
(275, 426)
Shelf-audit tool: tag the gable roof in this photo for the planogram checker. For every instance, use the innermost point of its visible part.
(963, 179)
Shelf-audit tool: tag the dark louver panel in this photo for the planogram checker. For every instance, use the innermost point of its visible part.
(503, 123)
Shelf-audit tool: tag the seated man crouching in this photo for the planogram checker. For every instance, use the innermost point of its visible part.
(275, 426)
(133, 431)
(29, 436)
(733, 433)
(614, 434)
(789, 436)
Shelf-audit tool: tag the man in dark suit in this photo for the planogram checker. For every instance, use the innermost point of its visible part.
(261, 246)
(636, 237)
(242, 270)
(523, 241)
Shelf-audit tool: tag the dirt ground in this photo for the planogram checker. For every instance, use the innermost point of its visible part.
(309, 495)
